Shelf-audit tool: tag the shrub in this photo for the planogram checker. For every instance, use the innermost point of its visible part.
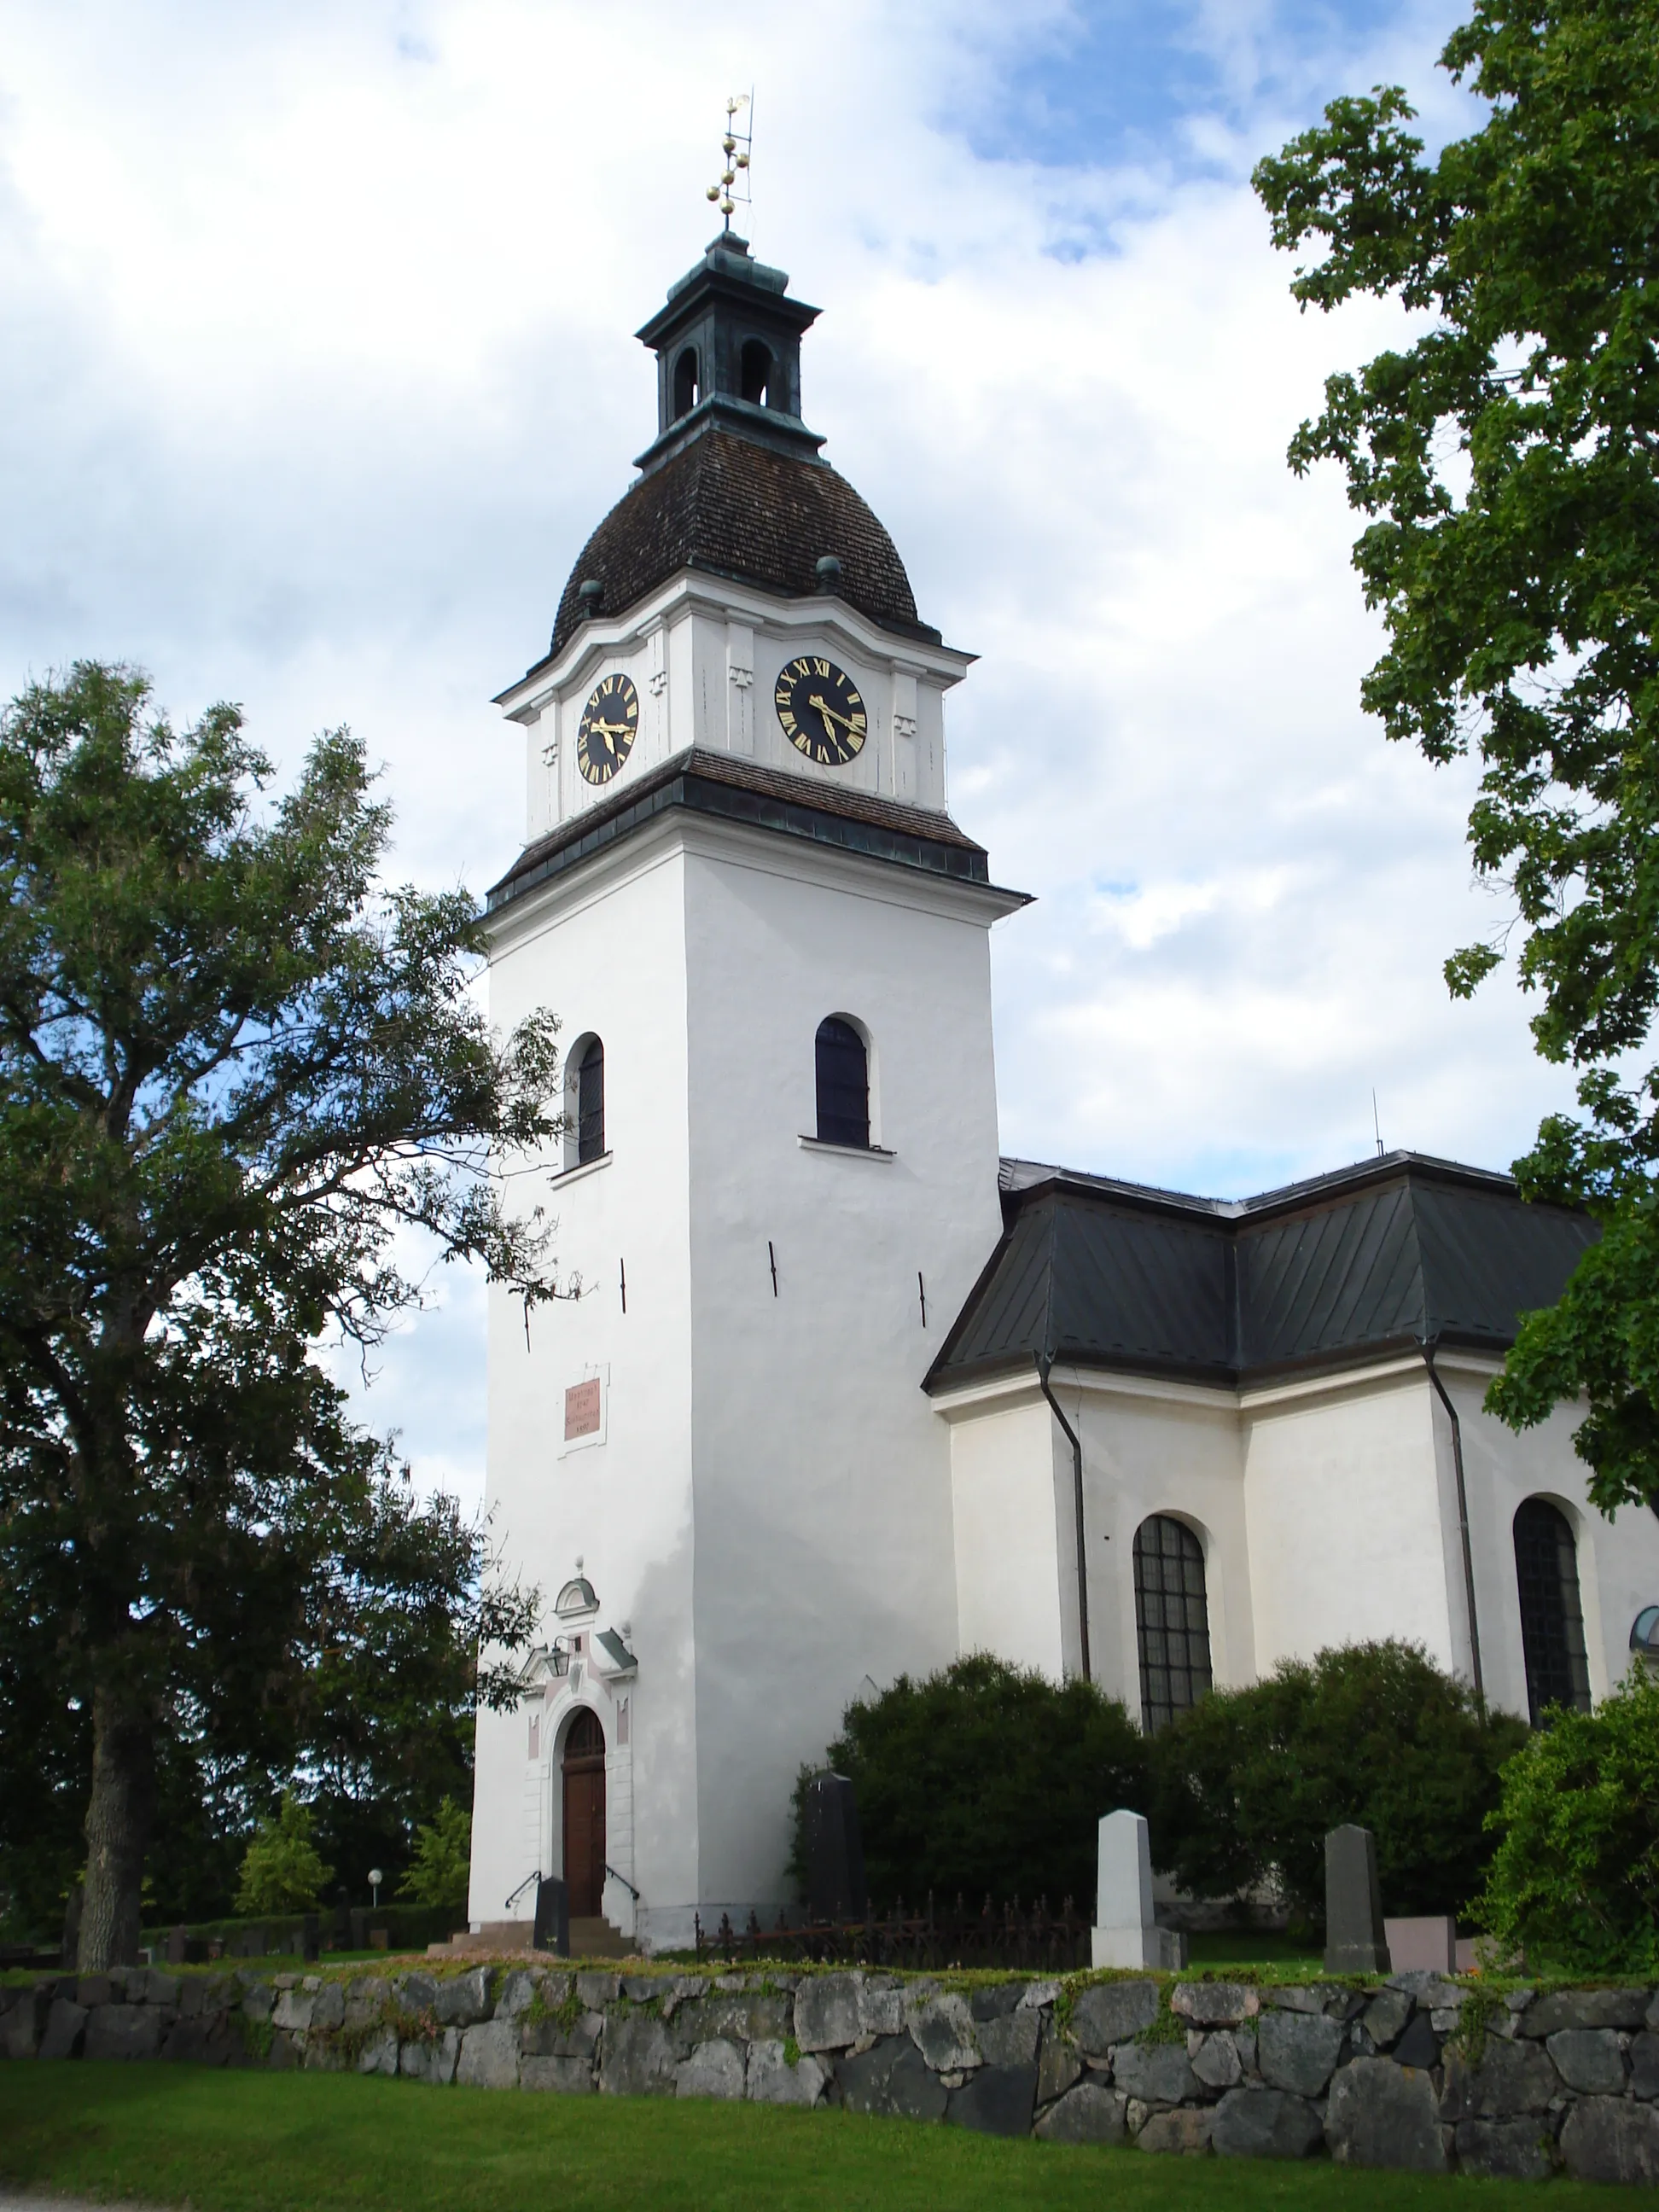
(442, 1866)
(1574, 1882)
(282, 1871)
(1249, 1783)
(985, 1780)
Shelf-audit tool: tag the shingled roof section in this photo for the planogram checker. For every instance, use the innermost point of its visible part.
(727, 788)
(1372, 1261)
(737, 508)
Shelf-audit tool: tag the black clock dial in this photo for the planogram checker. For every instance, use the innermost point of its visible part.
(610, 724)
(822, 714)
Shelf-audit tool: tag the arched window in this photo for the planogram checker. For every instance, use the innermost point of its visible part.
(756, 371)
(1172, 1620)
(590, 1102)
(843, 1074)
(1552, 1620)
(685, 382)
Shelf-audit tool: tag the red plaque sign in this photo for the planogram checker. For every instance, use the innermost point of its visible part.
(581, 1410)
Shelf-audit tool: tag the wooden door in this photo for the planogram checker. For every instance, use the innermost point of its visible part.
(584, 1816)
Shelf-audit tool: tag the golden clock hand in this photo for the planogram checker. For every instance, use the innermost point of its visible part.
(830, 714)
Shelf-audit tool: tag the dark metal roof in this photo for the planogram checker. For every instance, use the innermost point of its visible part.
(733, 507)
(1353, 1264)
(733, 789)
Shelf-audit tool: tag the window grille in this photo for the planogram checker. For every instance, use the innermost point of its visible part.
(843, 1074)
(1172, 1620)
(590, 1104)
(1552, 1618)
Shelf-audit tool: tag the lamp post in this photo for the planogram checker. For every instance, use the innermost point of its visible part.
(375, 1878)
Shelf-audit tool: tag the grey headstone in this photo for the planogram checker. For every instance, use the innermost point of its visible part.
(1158, 2073)
(1354, 1941)
(65, 2029)
(1505, 2150)
(773, 2081)
(835, 1851)
(552, 1928)
(178, 1945)
(1513, 2078)
(1109, 2013)
(1609, 2139)
(997, 2100)
(1590, 2060)
(566, 2076)
(1381, 2114)
(827, 2016)
(715, 2069)
(1087, 2113)
(1298, 2051)
(123, 2031)
(311, 1937)
(1265, 2123)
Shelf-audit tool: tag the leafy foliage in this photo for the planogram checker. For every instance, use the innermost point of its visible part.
(442, 1864)
(281, 1868)
(1509, 462)
(1249, 1783)
(230, 1073)
(984, 1779)
(1574, 1881)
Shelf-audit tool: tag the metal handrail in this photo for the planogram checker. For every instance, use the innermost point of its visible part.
(510, 1902)
(623, 1880)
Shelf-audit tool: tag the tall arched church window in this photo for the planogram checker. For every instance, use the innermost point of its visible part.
(843, 1077)
(757, 370)
(590, 1102)
(1172, 1620)
(1552, 1618)
(685, 382)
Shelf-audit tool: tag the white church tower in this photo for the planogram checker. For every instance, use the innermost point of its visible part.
(768, 942)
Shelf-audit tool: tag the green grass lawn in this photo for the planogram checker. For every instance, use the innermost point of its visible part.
(310, 2142)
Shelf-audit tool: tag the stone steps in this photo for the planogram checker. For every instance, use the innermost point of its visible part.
(589, 1939)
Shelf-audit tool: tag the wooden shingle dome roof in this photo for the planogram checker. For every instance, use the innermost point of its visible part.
(733, 507)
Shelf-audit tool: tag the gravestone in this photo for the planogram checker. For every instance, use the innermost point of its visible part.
(1422, 1945)
(1354, 1940)
(177, 1950)
(360, 1928)
(342, 1919)
(1125, 1933)
(552, 1927)
(835, 1851)
(311, 1940)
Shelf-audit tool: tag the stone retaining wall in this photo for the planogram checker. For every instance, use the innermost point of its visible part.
(1417, 2072)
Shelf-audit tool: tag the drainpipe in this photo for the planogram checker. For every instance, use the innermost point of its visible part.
(1042, 1366)
(1428, 1348)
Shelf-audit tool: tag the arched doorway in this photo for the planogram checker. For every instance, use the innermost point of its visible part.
(584, 1815)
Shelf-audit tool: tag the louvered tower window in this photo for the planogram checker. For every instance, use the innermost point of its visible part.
(843, 1077)
(1552, 1618)
(590, 1103)
(1172, 1620)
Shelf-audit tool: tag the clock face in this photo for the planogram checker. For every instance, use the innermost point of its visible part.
(609, 723)
(822, 714)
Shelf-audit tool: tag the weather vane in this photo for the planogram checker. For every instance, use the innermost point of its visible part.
(736, 146)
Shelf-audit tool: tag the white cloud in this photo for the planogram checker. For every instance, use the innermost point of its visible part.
(316, 369)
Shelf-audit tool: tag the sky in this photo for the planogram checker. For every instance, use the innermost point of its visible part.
(316, 371)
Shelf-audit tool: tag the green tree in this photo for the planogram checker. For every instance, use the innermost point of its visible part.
(443, 1858)
(983, 1779)
(230, 1071)
(281, 1868)
(1249, 1783)
(1509, 462)
(1574, 1880)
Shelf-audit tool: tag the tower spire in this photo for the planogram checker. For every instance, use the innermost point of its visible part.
(736, 146)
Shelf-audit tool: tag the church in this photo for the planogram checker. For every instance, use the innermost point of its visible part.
(847, 1392)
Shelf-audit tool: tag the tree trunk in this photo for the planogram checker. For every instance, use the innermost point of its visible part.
(117, 1832)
